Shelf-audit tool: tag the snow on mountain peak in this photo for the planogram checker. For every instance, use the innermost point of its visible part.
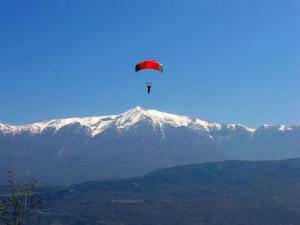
(130, 118)
(157, 118)
(124, 121)
(284, 128)
(162, 119)
(281, 128)
(96, 125)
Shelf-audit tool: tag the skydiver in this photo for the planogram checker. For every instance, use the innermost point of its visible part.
(149, 87)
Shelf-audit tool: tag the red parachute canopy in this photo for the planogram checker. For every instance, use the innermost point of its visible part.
(149, 64)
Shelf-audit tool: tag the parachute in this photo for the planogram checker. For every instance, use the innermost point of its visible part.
(149, 64)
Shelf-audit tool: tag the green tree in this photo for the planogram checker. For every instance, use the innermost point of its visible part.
(18, 201)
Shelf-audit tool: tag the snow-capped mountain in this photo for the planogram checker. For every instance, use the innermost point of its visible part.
(132, 143)
(124, 121)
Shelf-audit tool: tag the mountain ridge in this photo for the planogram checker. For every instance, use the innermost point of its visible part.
(98, 124)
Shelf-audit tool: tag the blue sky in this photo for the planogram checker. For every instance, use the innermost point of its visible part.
(225, 61)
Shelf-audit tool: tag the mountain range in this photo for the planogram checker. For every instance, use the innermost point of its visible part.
(214, 193)
(73, 150)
